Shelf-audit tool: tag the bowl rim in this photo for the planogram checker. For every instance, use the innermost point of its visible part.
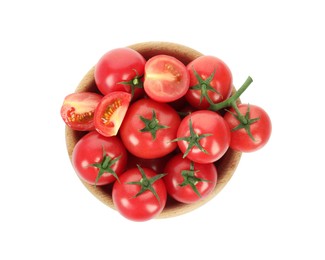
(227, 164)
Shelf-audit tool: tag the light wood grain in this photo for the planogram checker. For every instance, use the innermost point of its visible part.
(226, 166)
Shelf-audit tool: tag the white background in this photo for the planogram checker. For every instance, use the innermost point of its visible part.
(273, 207)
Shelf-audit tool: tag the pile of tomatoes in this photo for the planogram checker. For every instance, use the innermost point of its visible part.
(156, 127)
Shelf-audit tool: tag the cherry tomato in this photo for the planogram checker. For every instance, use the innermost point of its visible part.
(187, 181)
(120, 69)
(78, 110)
(203, 136)
(140, 195)
(166, 78)
(253, 135)
(110, 112)
(210, 81)
(148, 129)
(99, 160)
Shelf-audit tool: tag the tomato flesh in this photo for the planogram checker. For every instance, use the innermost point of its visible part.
(78, 110)
(110, 112)
(166, 78)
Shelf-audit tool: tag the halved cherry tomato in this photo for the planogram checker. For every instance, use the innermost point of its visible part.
(78, 110)
(166, 78)
(110, 112)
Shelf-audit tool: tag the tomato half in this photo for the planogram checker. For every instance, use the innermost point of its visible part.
(166, 78)
(98, 159)
(148, 129)
(251, 137)
(120, 69)
(210, 81)
(187, 181)
(203, 136)
(140, 195)
(78, 110)
(110, 112)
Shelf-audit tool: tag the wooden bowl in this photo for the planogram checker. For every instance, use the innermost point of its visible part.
(226, 166)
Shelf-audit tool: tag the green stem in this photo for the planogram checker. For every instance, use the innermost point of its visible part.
(240, 116)
(230, 101)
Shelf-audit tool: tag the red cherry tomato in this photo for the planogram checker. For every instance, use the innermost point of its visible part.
(99, 160)
(203, 136)
(148, 129)
(110, 112)
(140, 195)
(253, 136)
(78, 110)
(166, 78)
(210, 80)
(120, 69)
(187, 181)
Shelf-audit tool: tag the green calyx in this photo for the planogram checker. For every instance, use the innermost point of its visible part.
(193, 140)
(204, 86)
(191, 179)
(152, 125)
(134, 83)
(146, 184)
(245, 121)
(105, 166)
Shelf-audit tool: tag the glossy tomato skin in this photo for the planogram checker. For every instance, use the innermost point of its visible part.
(221, 82)
(142, 143)
(144, 206)
(78, 110)
(110, 112)
(205, 122)
(166, 78)
(116, 66)
(174, 179)
(260, 130)
(89, 150)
